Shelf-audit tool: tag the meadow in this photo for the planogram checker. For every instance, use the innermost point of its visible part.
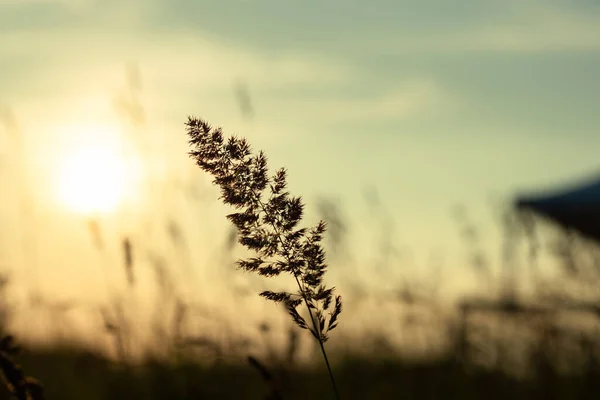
(507, 343)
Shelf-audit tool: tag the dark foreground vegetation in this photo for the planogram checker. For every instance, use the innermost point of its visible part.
(70, 373)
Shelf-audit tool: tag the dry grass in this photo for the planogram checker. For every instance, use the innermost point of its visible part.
(267, 225)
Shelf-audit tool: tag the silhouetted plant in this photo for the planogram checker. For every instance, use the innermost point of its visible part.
(18, 384)
(274, 393)
(267, 224)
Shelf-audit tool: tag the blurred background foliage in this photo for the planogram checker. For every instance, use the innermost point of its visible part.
(174, 319)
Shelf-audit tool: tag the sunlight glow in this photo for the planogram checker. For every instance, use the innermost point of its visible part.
(94, 175)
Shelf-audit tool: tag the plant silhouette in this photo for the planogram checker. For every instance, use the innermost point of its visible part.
(267, 224)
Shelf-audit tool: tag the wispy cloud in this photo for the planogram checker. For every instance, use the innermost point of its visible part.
(182, 62)
(177, 59)
(535, 29)
(411, 99)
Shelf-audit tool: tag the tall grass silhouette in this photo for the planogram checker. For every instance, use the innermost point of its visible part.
(267, 225)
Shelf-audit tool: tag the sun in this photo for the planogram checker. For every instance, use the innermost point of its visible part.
(92, 180)
(94, 175)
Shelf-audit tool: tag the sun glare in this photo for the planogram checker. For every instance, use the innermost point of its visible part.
(94, 174)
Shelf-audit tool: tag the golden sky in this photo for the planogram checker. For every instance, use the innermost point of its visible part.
(432, 104)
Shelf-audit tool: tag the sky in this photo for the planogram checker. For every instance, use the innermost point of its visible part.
(433, 103)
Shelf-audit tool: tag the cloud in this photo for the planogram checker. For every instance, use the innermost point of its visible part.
(180, 65)
(211, 60)
(546, 31)
(411, 99)
(179, 59)
(535, 29)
